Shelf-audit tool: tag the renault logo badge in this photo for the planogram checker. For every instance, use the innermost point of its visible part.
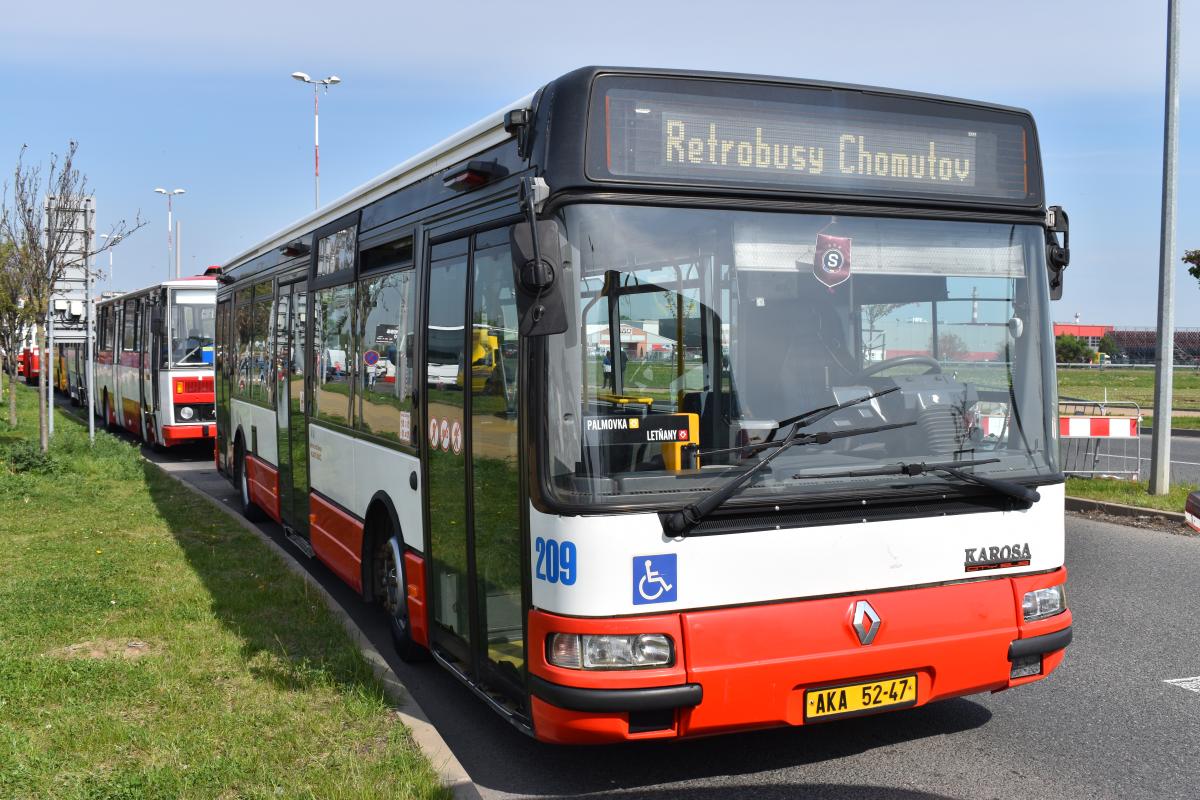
(866, 622)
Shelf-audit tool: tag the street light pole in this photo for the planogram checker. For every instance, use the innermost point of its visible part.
(317, 84)
(1160, 448)
(110, 260)
(170, 226)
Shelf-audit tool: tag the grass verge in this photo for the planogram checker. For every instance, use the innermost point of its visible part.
(1130, 493)
(150, 647)
(1177, 423)
(1133, 384)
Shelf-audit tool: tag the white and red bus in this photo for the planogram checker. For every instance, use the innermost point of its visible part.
(640, 405)
(154, 361)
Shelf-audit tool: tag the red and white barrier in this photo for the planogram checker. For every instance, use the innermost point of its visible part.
(1097, 427)
(1076, 427)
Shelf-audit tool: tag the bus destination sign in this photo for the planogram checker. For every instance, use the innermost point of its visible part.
(683, 138)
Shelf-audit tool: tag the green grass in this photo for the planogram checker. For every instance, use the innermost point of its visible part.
(1186, 423)
(1134, 384)
(1130, 493)
(150, 647)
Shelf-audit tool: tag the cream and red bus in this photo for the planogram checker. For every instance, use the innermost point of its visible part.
(154, 358)
(764, 433)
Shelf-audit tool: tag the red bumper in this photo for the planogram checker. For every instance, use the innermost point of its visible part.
(179, 434)
(749, 667)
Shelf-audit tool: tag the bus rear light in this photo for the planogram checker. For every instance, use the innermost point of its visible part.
(610, 651)
(1043, 603)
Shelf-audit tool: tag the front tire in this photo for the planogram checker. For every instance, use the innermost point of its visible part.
(249, 510)
(394, 599)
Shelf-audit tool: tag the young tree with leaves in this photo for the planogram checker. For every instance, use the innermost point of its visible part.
(47, 249)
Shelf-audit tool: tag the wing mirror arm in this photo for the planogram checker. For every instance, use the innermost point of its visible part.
(1058, 256)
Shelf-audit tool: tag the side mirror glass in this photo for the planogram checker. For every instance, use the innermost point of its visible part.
(539, 280)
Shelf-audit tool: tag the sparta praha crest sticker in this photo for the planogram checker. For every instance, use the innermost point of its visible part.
(831, 262)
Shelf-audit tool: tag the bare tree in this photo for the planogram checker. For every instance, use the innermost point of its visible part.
(14, 319)
(47, 249)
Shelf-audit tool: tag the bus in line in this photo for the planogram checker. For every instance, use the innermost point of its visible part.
(786, 499)
(153, 364)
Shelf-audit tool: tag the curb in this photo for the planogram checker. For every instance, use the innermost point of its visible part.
(424, 734)
(1186, 433)
(1080, 504)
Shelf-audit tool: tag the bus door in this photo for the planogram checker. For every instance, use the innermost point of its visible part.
(473, 480)
(290, 310)
(148, 367)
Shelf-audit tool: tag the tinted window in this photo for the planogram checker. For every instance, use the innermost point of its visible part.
(332, 354)
(384, 356)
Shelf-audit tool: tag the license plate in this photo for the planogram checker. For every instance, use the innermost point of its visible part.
(860, 698)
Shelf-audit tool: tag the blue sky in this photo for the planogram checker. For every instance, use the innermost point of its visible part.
(200, 98)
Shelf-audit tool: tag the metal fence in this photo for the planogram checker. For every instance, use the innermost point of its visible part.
(1100, 440)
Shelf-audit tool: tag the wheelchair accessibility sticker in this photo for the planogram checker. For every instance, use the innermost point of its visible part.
(655, 579)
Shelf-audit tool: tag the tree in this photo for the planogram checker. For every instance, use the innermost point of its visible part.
(1192, 258)
(951, 347)
(14, 319)
(45, 251)
(1070, 349)
(1108, 346)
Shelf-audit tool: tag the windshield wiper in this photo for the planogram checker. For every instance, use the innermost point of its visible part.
(1007, 488)
(678, 523)
(800, 421)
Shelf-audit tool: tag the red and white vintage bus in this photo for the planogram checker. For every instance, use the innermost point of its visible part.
(154, 361)
(638, 405)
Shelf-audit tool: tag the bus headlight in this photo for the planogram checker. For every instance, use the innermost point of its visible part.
(1043, 603)
(186, 413)
(610, 651)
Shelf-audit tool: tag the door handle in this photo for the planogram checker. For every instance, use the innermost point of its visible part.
(412, 479)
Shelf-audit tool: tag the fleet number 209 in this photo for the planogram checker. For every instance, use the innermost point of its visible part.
(555, 561)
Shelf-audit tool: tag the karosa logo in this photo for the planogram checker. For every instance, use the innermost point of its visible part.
(1009, 555)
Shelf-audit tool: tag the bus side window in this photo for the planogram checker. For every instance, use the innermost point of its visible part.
(384, 390)
(332, 381)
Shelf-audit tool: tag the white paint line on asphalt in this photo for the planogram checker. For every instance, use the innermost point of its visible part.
(1191, 684)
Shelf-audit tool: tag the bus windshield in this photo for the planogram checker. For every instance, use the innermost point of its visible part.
(714, 325)
(193, 325)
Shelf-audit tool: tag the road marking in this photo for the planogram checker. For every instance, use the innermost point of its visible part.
(1191, 684)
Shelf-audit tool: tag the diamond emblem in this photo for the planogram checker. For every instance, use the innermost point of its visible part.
(866, 622)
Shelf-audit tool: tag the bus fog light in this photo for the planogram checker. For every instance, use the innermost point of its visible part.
(562, 650)
(186, 412)
(1043, 603)
(1025, 666)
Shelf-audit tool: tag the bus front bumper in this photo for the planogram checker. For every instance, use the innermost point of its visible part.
(753, 666)
(178, 434)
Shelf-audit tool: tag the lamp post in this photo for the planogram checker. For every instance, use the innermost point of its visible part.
(169, 195)
(317, 84)
(111, 244)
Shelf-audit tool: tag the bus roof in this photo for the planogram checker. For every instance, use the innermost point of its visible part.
(489, 132)
(485, 133)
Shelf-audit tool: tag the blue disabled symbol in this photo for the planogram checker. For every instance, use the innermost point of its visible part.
(655, 579)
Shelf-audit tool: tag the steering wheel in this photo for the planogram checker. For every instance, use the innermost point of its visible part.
(901, 361)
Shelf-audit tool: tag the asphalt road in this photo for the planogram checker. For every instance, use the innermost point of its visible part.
(1118, 456)
(1105, 725)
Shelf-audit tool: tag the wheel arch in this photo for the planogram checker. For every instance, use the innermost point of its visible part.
(379, 509)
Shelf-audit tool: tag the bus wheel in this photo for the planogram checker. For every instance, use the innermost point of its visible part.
(249, 510)
(390, 564)
(107, 415)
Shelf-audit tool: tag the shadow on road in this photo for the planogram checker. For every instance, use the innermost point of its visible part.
(516, 764)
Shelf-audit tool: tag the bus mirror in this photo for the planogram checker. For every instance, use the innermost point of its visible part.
(156, 319)
(538, 272)
(1058, 256)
